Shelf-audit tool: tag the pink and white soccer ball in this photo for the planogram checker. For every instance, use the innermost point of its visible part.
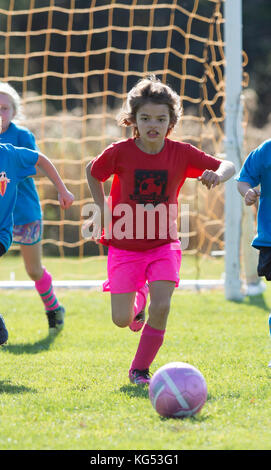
(177, 390)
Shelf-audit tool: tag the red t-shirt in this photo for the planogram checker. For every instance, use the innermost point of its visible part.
(145, 188)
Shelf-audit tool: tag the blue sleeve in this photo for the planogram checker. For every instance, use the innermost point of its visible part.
(252, 168)
(27, 140)
(25, 162)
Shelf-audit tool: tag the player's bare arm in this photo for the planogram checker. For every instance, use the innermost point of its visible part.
(65, 197)
(97, 221)
(96, 188)
(212, 178)
(249, 194)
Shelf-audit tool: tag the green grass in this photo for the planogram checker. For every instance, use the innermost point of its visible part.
(73, 392)
(95, 268)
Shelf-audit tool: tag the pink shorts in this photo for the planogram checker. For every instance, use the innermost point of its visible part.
(128, 271)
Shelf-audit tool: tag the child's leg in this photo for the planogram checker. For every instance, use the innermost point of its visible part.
(153, 332)
(3, 329)
(43, 280)
(139, 308)
(160, 299)
(138, 315)
(32, 260)
(122, 306)
(43, 283)
(264, 269)
(126, 271)
(45, 289)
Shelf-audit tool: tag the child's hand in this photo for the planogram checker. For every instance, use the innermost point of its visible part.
(209, 178)
(66, 199)
(251, 196)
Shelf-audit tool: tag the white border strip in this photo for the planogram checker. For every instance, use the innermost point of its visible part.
(96, 284)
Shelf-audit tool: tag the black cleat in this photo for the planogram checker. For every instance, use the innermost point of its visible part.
(3, 331)
(56, 320)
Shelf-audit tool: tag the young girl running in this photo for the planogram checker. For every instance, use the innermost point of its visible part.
(27, 230)
(16, 164)
(254, 184)
(149, 170)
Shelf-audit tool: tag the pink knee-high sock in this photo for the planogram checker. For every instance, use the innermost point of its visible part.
(45, 289)
(141, 299)
(150, 342)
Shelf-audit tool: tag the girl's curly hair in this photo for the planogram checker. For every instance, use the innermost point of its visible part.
(150, 89)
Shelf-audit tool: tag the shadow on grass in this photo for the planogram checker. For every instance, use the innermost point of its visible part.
(7, 387)
(142, 392)
(197, 418)
(135, 391)
(29, 348)
(257, 300)
(223, 396)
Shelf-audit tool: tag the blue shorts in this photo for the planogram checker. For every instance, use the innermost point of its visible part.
(264, 265)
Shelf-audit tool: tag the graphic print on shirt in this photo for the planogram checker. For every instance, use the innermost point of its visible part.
(3, 182)
(150, 187)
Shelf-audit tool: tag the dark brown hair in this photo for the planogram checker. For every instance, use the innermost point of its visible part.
(150, 89)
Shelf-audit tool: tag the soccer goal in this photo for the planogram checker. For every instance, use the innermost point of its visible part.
(73, 62)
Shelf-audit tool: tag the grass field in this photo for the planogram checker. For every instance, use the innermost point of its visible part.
(73, 392)
(95, 268)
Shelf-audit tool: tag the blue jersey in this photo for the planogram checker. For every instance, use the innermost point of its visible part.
(27, 208)
(257, 171)
(15, 165)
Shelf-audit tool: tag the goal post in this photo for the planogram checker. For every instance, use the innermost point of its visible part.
(233, 145)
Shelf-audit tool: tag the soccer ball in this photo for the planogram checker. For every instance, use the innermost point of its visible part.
(177, 390)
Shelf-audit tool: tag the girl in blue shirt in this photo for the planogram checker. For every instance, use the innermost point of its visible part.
(27, 215)
(254, 184)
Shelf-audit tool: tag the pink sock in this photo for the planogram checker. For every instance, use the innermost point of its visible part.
(150, 342)
(45, 289)
(141, 299)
